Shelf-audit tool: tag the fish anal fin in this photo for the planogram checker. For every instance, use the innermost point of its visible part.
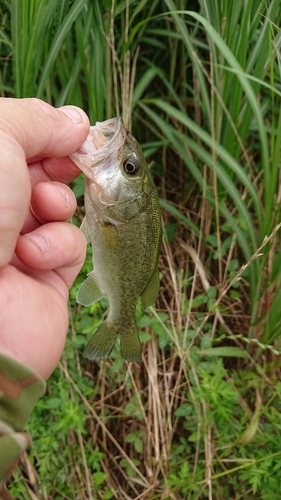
(151, 292)
(90, 291)
(102, 342)
(86, 229)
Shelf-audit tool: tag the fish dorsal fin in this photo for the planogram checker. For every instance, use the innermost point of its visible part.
(86, 229)
(150, 294)
(90, 291)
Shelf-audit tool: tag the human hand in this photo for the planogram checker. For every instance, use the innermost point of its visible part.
(40, 253)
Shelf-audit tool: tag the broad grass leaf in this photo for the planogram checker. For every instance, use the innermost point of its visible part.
(234, 352)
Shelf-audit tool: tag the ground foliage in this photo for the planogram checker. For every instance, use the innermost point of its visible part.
(198, 83)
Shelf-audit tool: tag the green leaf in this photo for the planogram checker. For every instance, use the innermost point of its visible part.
(137, 439)
(99, 478)
(184, 410)
(212, 292)
(133, 408)
(193, 437)
(144, 336)
(206, 342)
(78, 340)
(234, 352)
(53, 403)
(144, 321)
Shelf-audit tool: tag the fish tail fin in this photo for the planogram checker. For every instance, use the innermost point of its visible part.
(130, 346)
(102, 342)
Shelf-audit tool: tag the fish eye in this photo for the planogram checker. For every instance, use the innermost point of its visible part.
(130, 167)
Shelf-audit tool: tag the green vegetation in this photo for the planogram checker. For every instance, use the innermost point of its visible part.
(199, 85)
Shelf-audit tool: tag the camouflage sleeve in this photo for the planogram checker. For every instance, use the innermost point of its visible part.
(20, 389)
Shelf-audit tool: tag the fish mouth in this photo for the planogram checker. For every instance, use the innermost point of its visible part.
(104, 139)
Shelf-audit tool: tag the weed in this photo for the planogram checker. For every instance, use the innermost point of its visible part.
(200, 416)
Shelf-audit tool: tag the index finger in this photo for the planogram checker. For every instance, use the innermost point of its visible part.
(54, 169)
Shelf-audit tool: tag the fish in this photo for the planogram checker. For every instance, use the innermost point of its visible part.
(123, 223)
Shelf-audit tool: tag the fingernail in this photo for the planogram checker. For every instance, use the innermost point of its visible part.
(40, 241)
(66, 197)
(73, 113)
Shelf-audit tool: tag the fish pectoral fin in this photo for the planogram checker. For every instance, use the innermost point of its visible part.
(85, 228)
(130, 346)
(102, 342)
(90, 290)
(151, 292)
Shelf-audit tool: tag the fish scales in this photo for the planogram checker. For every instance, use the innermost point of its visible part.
(123, 223)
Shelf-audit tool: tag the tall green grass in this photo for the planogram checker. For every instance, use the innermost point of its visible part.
(236, 67)
(199, 85)
(57, 51)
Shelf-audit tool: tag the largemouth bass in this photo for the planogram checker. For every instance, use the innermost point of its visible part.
(123, 223)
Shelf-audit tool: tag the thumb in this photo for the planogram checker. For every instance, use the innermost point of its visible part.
(41, 129)
(30, 128)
